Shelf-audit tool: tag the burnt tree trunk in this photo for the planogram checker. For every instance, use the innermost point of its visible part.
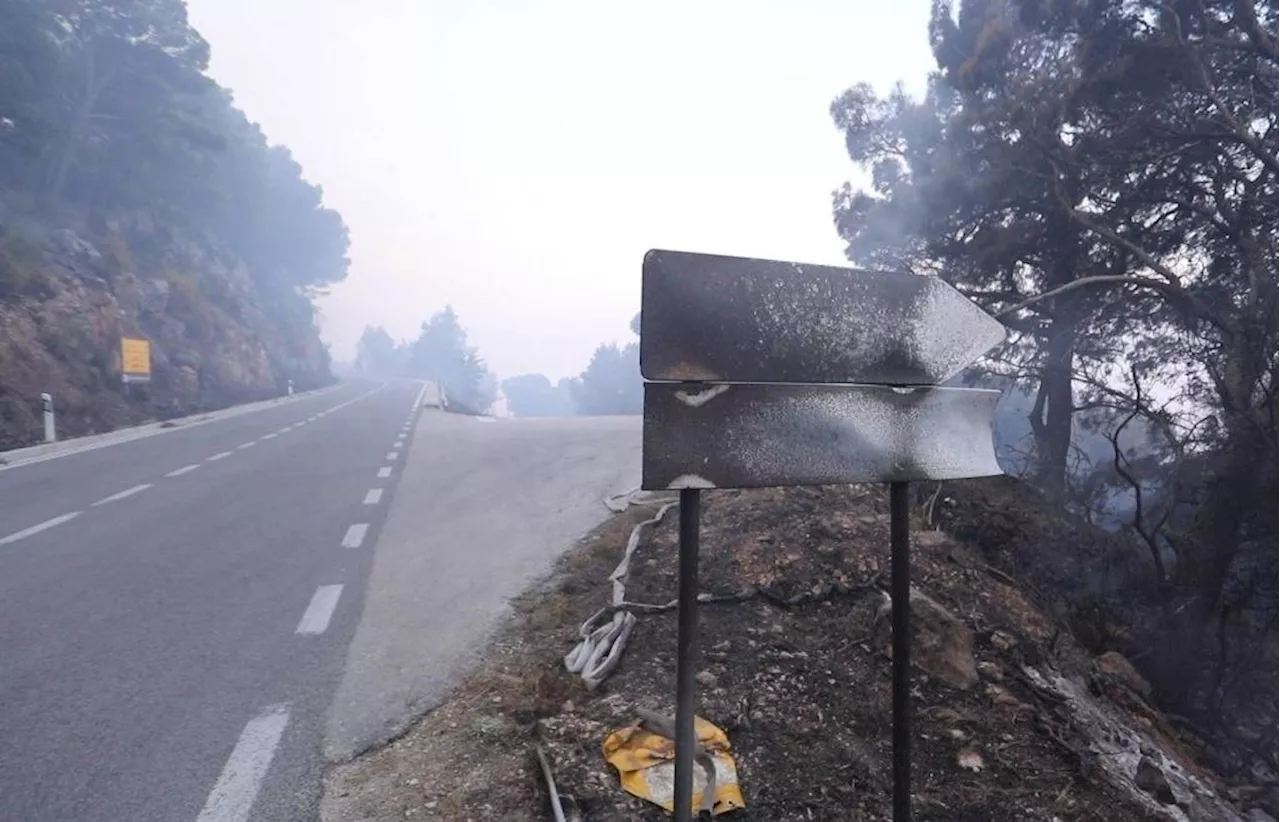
(1054, 408)
(1052, 414)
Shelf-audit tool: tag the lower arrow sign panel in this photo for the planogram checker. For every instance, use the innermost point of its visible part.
(757, 435)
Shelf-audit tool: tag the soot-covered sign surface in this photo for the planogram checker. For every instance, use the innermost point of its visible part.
(711, 318)
(754, 435)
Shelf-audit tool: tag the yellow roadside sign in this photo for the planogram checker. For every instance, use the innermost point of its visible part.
(135, 358)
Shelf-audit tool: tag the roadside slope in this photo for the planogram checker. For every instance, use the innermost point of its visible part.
(1014, 720)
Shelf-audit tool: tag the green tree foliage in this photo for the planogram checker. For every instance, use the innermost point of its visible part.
(533, 395)
(105, 110)
(961, 188)
(1104, 176)
(611, 384)
(441, 353)
(377, 355)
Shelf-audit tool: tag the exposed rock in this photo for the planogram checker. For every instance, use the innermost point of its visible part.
(66, 241)
(214, 341)
(1002, 640)
(155, 296)
(1127, 757)
(1151, 780)
(186, 357)
(1114, 665)
(942, 645)
(186, 381)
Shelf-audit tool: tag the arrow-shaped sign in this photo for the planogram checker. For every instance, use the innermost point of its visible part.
(733, 319)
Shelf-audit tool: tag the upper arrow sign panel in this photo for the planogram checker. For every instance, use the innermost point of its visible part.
(710, 318)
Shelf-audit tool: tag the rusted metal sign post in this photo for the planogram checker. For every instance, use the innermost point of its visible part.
(765, 373)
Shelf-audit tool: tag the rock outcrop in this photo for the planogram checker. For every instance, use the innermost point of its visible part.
(218, 336)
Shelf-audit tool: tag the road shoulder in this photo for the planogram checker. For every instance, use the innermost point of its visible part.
(470, 754)
(481, 511)
(30, 454)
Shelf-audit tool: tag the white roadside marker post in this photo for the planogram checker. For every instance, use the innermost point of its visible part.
(50, 430)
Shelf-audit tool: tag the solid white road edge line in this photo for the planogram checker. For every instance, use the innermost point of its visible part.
(316, 618)
(186, 469)
(221, 455)
(128, 492)
(355, 535)
(35, 529)
(125, 435)
(373, 497)
(237, 787)
(384, 472)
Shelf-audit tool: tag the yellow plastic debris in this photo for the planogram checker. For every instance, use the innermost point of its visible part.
(646, 766)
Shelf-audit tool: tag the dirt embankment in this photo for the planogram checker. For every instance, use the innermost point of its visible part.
(1013, 719)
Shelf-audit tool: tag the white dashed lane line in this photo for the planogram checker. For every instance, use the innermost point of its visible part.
(354, 537)
(237, 787)
(245, 445)
(35, 529)
(316, 618)
(128, 492)
(391, 455)
(373, 497)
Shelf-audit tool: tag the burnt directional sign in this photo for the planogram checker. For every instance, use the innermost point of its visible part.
(766, 373)
(711, 318)
(759, 435)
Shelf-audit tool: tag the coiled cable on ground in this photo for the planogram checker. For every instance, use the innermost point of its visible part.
(603, 637)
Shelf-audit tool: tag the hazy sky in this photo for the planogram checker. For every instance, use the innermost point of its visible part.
(517, 158)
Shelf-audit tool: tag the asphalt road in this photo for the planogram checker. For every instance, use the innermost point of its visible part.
(493, 505)
(176, 610)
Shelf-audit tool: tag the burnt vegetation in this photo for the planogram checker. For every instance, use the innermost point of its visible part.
(1102, 177)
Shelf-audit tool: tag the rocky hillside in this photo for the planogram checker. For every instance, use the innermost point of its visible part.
(1020, 714)
(136, 199)
(217, 337)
